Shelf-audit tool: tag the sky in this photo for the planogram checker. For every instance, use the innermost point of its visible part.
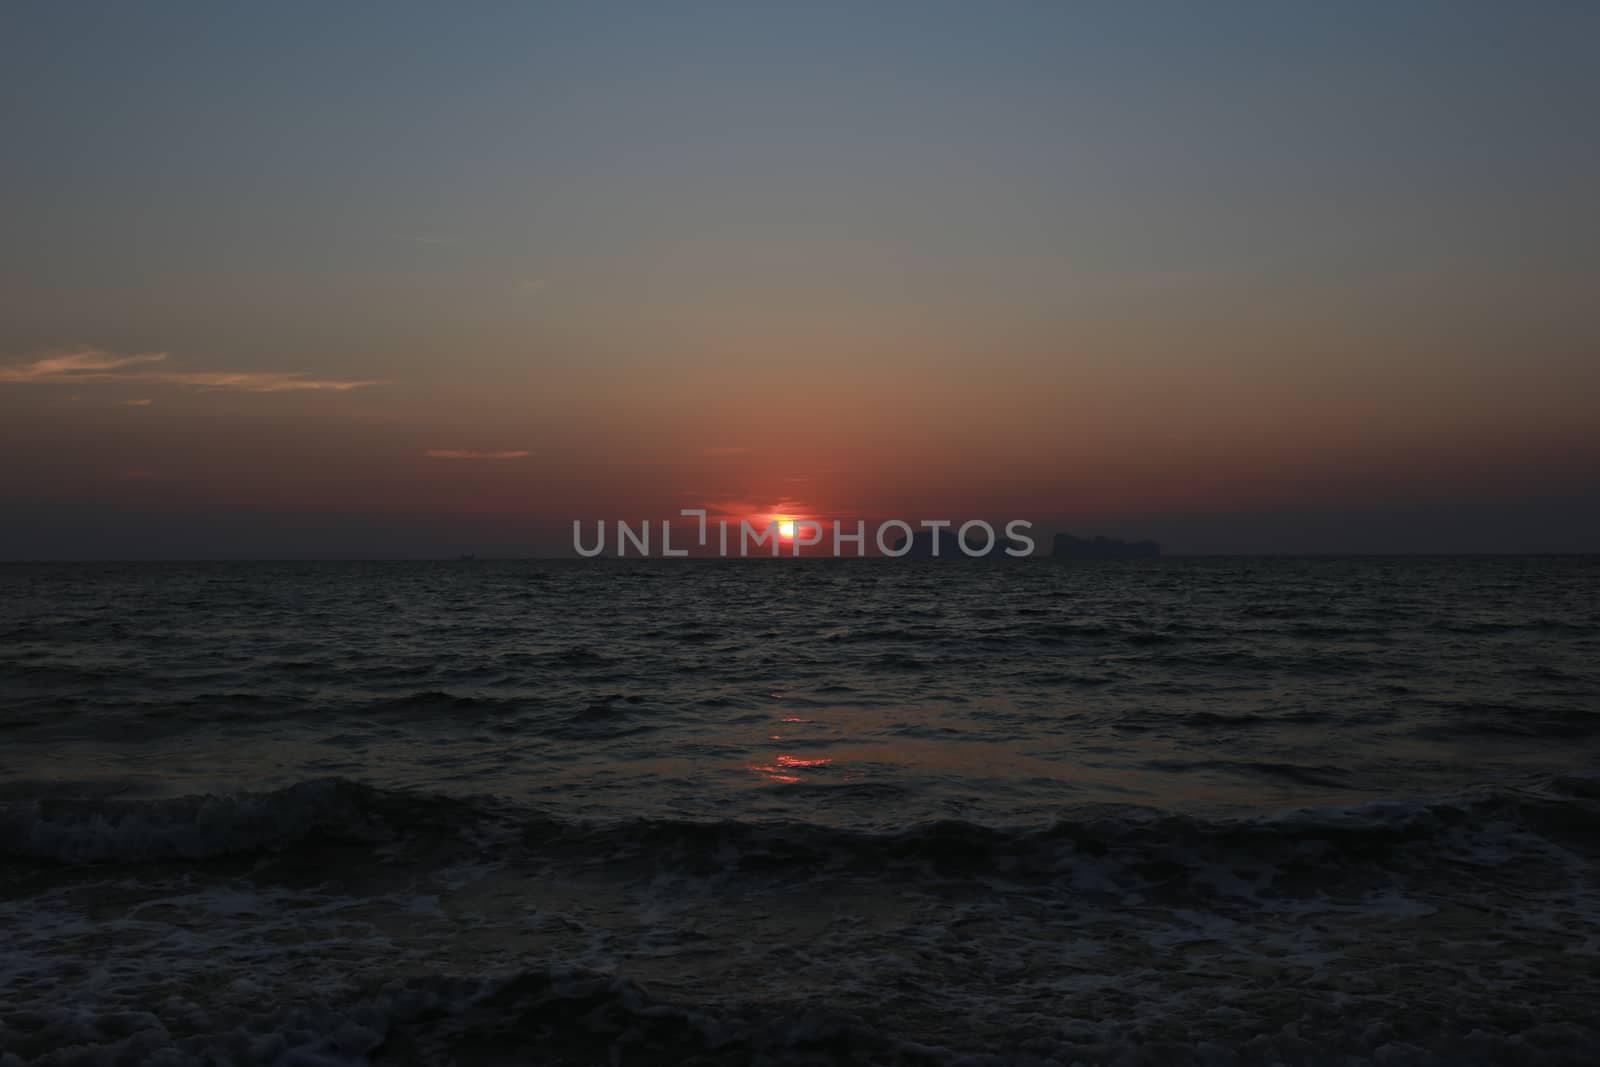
(301, 280)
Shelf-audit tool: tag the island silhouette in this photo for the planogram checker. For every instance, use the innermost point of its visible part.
(949, 546)
(1066, 546)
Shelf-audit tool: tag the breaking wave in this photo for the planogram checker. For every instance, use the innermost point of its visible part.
(1557, 817)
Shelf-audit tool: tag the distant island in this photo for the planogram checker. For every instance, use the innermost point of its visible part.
(950, 548)
(1069, 547)
(1065, 546)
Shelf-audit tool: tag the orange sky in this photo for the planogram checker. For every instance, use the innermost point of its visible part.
(402, 290)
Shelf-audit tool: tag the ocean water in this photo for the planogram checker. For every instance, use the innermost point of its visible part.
(1172, 811)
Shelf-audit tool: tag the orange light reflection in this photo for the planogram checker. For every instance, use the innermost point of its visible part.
(785, 763)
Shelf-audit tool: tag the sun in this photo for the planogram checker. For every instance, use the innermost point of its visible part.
(785, 527)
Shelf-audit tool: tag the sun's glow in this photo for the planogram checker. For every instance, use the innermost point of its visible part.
(786, 528)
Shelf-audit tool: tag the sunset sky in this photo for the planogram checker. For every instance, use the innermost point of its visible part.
(389, 280)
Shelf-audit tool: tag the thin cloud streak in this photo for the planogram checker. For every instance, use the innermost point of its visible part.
(466, 453)
(255, 383)
(95, 365)
(90, 363)
(423, 239)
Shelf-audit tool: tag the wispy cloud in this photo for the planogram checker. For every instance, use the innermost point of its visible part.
(78, 366)
(744, 508)
(466, 453)
(143, 402)
(422, 239)
(257, 382)
(96, 365)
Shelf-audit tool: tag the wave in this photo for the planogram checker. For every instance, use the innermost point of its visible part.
(559, 1013)
(571, 1016)
(1340, 845)
(96, 830)
(971, 940)
(1326, 777)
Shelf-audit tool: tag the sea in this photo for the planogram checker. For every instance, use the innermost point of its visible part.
(1167, 811)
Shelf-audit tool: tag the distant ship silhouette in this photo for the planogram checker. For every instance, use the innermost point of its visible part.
(1069, 547)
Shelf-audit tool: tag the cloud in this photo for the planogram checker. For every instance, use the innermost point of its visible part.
(257, 382)
(88, 364)
(96, 365)
(423, 239)
(743, 508)
(464, 453)
(141, 403)
(725, 450)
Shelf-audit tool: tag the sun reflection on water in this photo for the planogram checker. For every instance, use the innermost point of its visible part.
(782, 768)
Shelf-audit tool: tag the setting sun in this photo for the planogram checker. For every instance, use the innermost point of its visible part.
(786, 528)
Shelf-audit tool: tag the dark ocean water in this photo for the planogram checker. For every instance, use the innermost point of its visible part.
(1168, 811)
